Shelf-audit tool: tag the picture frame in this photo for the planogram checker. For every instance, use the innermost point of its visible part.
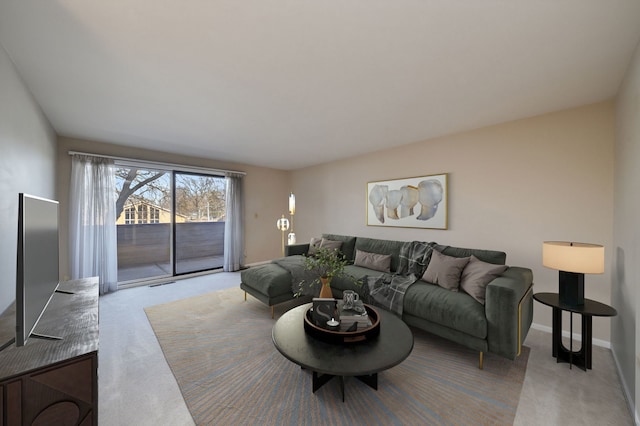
(324, 309)
(415, 202)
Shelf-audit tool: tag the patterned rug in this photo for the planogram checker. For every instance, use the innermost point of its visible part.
(220, 350)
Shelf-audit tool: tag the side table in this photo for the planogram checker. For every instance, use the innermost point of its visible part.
(590, 309)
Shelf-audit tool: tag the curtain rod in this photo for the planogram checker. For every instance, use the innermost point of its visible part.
(172, 166)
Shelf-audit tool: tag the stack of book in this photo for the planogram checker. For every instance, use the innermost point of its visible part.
(353, 319)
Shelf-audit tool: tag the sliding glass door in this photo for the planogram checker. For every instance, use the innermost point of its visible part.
(144, 223)
(168, 223)
(199, 222)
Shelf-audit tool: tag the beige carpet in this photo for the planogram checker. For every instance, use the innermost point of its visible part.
(220, 351)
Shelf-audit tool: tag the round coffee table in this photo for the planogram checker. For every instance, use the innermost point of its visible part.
(363, 360)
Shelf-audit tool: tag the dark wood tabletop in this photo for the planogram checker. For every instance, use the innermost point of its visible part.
(590, 307)
(73, 317)
(391, 347)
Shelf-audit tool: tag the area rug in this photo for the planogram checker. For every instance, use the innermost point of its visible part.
(220, 350)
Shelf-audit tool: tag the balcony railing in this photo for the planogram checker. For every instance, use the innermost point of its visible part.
(144, 250)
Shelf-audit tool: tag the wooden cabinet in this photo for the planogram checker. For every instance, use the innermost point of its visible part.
(54, 382)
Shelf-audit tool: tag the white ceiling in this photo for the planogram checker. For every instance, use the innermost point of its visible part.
(292, 83)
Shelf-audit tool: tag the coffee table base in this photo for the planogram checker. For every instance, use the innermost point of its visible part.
(320, 380)
(325, 360)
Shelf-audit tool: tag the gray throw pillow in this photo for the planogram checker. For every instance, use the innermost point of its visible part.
(314, 244)
(445, 270)
(375, 261)
(477, 275)
(331, 244)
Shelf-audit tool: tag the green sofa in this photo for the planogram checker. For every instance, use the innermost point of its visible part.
(499, 326)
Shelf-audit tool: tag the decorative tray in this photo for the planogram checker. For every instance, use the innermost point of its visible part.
(336, 336)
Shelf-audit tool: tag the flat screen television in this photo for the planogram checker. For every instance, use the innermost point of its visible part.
(37, 275)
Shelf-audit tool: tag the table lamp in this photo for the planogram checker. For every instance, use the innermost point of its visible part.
(572, 260)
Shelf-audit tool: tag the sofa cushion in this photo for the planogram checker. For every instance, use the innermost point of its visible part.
(373, 245)
(314, 244)
(456, 310)
(348, 244)
(476, 275)
(268, 279)
(331, 244)
(444, 270)
(491, 256)
(358, 273)
(377, 262)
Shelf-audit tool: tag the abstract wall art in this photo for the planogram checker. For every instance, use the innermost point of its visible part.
(417, 202)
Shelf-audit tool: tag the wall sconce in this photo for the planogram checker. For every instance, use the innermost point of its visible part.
(572, 260)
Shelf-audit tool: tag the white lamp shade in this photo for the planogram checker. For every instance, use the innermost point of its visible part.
(573, 257)
(292, 204)
(282, 224)
(291, 238)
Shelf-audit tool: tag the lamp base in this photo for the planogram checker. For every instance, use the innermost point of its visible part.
(571, 288)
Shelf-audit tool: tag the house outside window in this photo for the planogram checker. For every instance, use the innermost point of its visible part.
(155, 215)
(129, 216)
(142, 214)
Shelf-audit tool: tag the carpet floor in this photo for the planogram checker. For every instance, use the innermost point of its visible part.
(220, 351)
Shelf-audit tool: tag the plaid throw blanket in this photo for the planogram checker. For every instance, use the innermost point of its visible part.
(388, 290)
(414, 258)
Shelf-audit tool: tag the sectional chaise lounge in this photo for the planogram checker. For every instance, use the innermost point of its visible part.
(465, 295)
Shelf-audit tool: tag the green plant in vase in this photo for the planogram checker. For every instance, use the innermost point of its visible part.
(325, 265)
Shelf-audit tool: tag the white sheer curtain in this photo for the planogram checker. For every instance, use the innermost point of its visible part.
(92, 221)
(233, 230)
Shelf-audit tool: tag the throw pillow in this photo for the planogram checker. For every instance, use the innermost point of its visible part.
(314, 244)
(477, 275)
(444, 270)
(331, 244)
(375, 261)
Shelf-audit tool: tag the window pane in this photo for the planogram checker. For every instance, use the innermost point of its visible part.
(199, 217)
(144, 248)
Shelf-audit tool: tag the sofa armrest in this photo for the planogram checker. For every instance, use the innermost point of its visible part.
(509, 311)
(294, 249)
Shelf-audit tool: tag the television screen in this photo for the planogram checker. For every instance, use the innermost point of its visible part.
(37, 270)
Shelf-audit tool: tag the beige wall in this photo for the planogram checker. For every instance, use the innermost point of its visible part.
(511, 187)
(625, 328)
(262, 186)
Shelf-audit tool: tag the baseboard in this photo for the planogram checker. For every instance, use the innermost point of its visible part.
(576, 336)
(154, 282)
(258, 263)
(625, 388)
